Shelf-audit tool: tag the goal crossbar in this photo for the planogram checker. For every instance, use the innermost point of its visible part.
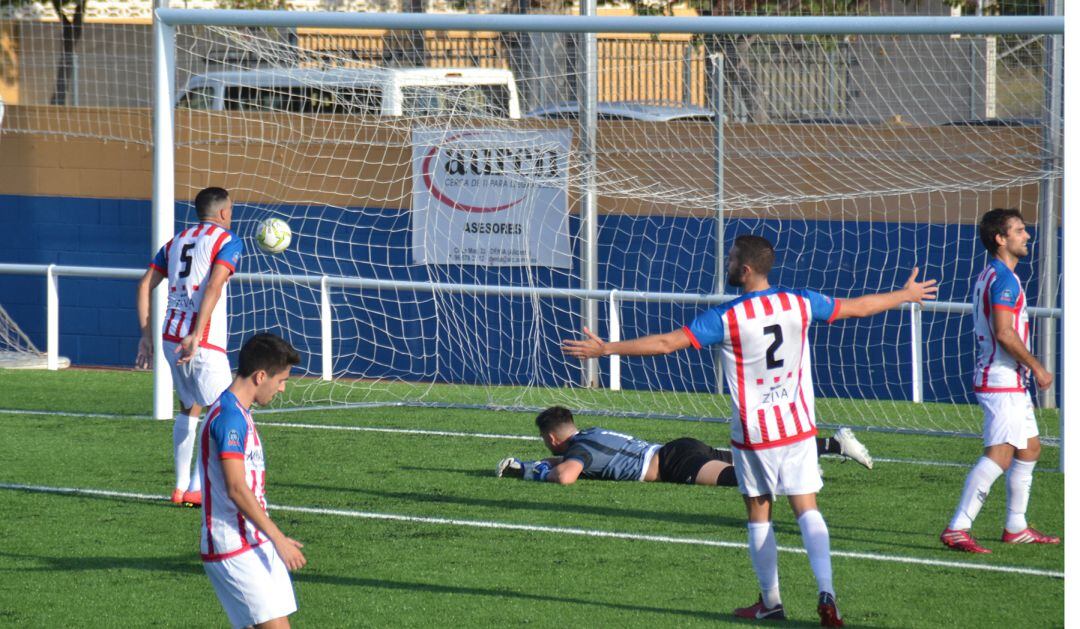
(776, 25)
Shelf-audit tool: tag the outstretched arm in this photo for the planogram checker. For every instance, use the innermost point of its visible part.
(593, 346)
(869, 305)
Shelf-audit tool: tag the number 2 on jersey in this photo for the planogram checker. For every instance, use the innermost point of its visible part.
(771, 362)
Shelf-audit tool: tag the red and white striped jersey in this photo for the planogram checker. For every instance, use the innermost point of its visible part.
(765, 352)
(996, 371)
(229, 433)
(186, 261)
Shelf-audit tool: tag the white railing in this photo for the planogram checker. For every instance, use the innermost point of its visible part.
(615, 298)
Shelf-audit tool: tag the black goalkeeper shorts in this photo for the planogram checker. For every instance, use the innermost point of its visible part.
(682, 459)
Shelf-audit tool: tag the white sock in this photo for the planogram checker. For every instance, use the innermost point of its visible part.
(976, 487)
(815, 537)
(195, 484)
(1017, 492)
(763, 558)
(183, 438)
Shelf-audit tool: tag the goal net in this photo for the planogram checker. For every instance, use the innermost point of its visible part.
(436, 186)
(860, 158)
(17, 351)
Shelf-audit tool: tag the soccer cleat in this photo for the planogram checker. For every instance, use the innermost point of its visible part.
(826, 609)
(177, 496)
(852, 448)
(192, 499)
(957, 539)
(509, 467)
(1029, 536)
(758, 611)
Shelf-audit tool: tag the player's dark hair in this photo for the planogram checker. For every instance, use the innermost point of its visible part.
(996, 223)
(266, 352)
(755, 252)
(550, 419)
(209, 201)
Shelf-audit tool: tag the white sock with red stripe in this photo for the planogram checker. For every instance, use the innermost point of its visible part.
(763, 557)
(815, 537)
(976, 487)
(183, 439)
(1017, 492)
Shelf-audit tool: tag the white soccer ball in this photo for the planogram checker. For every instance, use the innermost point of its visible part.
(273, 235)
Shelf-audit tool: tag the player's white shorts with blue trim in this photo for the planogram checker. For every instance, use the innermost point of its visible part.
(788, 470)
(202, 379)
(253, 587)
(1007, 418)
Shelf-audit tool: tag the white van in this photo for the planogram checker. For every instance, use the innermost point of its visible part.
(360, 91)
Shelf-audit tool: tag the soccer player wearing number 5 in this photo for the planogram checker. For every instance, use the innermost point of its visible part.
(198, 262)
(250, 576)
(763, 339)
(1003, 367)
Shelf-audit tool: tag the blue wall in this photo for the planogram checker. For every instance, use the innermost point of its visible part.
(466, 339)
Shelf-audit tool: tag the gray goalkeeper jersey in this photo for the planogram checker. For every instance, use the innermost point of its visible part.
(610, 455)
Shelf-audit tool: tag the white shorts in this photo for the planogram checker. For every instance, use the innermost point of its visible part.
(201, 380)
(1007, 418)
(253, 587)
(790, 470)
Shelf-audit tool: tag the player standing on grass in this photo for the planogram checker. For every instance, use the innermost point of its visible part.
(763, 336)
(1002, 374)
(250, 577)
(198, 263)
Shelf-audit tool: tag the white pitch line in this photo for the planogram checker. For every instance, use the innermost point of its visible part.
(440, 433)
(558, 530)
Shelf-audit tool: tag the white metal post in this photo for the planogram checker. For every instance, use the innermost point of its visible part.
(162, 222)
(717, 68)
(52, 320)
(614, 335)
(916, 353)
(587, 89)
(1049, 206)
(326, 319)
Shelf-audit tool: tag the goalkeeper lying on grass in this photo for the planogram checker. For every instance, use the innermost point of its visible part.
(602, 454)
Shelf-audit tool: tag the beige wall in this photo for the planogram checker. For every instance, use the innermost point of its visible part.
(281, 158)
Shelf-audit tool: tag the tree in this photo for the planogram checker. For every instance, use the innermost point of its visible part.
(70, 13)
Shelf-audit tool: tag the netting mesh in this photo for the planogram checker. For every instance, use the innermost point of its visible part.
(859, 157)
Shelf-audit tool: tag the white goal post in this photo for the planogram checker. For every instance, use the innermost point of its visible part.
(669, 180)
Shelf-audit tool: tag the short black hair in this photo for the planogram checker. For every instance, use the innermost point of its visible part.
(209, 201)
(552, 418)
(266, 352)
(996, 223)
(755, 252)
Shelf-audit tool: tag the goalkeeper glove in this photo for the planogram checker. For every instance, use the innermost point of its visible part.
(509, 467)
(535, 470)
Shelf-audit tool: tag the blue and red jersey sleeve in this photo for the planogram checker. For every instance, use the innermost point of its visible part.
(1005, 292)
(707, 329)
(229, 432)
(229, 253)
(822, 307)
(160, 263)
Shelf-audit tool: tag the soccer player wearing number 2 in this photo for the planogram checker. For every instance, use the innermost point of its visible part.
(1002, 371)
(766, 357)
(198, 262)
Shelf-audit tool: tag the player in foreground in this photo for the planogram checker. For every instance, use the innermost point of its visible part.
(1003, 369)
(603, 454)
(198, 262)
(766, 358)
(250, 577)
